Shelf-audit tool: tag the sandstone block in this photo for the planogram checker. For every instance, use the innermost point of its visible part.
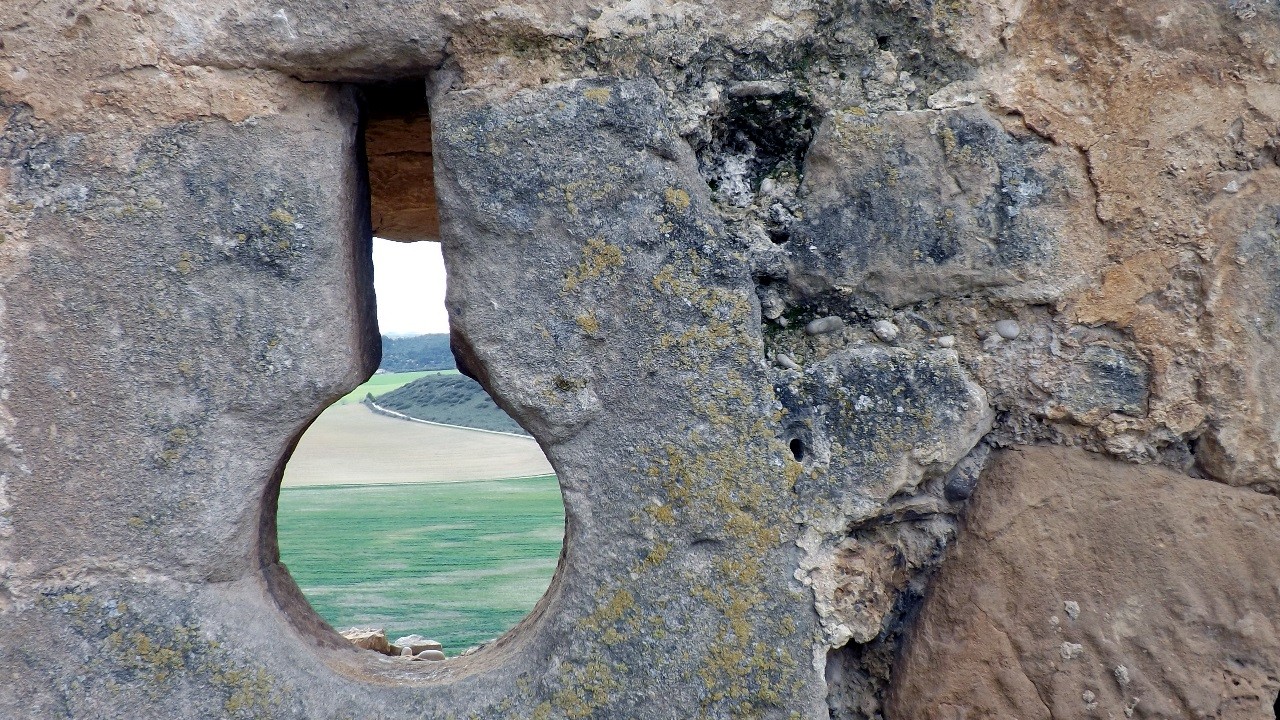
(1135, 588)
(368, 639)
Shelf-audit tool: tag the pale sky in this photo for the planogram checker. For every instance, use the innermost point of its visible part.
(409, 281)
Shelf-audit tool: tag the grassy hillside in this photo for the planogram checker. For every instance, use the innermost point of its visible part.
(419, 352)
(383, 383)
(453, 399)
(456, 562)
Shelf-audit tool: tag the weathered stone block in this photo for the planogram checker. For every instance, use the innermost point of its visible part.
(904, 207)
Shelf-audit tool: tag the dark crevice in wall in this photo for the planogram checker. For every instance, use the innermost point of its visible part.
(859, 674)
(396, 99)
(797, 449)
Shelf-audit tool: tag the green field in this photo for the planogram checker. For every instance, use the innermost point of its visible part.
(382, 383)
(456, 562)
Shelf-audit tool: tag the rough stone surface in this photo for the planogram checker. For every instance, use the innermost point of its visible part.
(904, 207)
(1087, 588)
(642, 208)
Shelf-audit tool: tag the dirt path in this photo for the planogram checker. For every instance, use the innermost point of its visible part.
(350, 445)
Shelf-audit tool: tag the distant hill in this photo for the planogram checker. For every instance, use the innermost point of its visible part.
(449, 399)
(419, 352)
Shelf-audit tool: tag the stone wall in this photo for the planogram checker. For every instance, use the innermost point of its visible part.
(897, 358)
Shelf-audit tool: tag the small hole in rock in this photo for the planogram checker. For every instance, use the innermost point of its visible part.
(779, 236)
(797, 449)
(883, 42)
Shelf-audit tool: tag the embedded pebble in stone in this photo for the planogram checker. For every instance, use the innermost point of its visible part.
(1007, 329)
(757, 88)
(885, 330)
(767, 186)
(959, 485)
(432, 655)
(1070, 650)
(947, 341)
(785, 360)
(959, 482)
(828, 324)
(1073, 609)
(1122, 675)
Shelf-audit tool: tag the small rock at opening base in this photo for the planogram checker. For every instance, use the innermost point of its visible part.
(368, 639)
(417, 643)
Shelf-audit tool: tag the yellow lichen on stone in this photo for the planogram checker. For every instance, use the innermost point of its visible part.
(598, 95)
(655, 557)
(283, 216)
(588, 322)
(586, 690)
(599, 258)
(619, 605)
(661, 513)
(852, 129)
(952, 147)
(252, 691)
(677, 198)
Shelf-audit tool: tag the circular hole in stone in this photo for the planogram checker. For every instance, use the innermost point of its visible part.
(414, 504)
(797, 449)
